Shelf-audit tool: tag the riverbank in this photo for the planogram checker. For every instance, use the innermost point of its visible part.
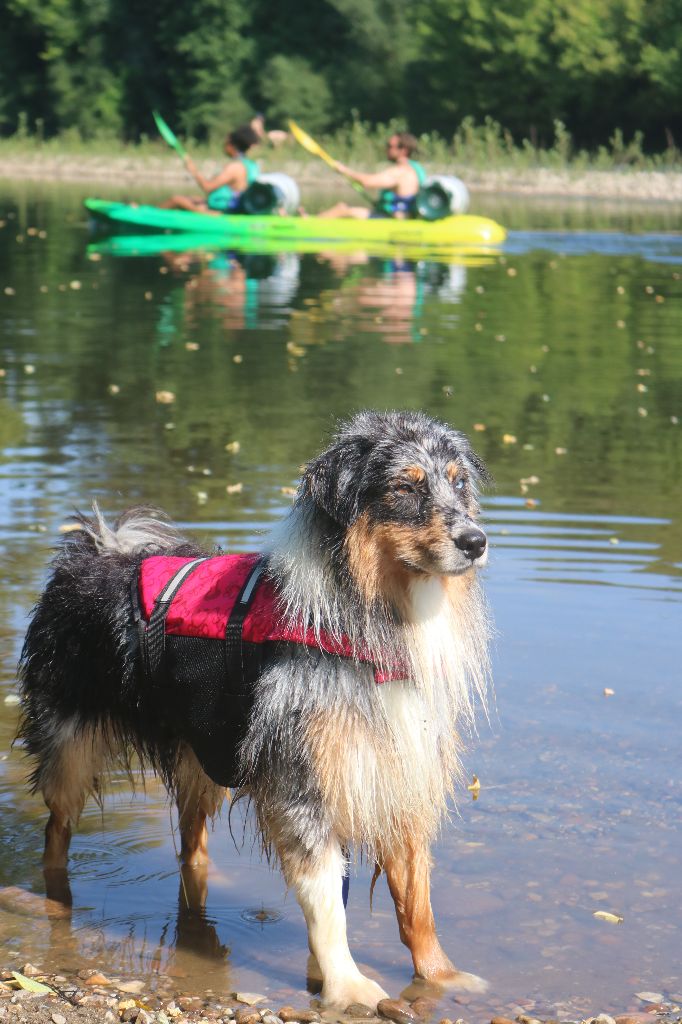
(92, 998)
(166, 171)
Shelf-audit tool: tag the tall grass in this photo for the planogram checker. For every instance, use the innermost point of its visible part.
(491, 146)
(473, 146)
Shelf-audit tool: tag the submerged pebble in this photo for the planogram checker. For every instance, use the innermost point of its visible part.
(288, 1013)
(397, 1010)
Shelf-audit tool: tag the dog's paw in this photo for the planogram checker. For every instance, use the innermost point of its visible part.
(357, 988)
(460, 981)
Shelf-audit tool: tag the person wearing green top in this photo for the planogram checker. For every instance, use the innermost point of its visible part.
(222, 191)
(398, 184)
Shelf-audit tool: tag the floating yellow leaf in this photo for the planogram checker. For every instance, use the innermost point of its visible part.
(605, 915)
(475, 787)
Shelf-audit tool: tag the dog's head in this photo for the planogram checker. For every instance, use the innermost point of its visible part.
(403, 489)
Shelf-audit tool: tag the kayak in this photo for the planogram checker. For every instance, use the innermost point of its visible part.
(459, 230)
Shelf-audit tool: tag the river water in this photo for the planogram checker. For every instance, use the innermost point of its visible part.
(562, 357)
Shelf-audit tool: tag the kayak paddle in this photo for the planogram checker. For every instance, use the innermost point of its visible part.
(168, 136)
(315, 149)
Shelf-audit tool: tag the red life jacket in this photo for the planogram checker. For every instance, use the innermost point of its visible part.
(203, 602)
(205, 625)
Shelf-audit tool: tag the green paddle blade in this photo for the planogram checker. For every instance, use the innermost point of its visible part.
(168, 136)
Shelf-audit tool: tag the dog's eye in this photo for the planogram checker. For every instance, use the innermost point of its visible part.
(459, 483)
(404, 488)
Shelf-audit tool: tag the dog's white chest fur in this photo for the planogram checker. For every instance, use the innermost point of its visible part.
(400, 769)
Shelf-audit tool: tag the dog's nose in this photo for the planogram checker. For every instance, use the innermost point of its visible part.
(472, 542)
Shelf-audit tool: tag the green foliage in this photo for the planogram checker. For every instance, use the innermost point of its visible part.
(292, 89)
(555, 74)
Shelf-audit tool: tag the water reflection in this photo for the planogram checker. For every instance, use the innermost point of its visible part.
(241, 290)
(246, 289)
(385, 295)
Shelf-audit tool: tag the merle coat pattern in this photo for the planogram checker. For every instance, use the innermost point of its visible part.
(382, 546)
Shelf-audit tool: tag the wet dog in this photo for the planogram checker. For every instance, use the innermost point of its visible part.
(331, 681)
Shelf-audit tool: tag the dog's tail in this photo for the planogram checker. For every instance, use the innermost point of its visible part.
(139, 529)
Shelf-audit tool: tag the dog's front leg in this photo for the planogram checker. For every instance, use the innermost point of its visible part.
(408, 871)
(316, 880)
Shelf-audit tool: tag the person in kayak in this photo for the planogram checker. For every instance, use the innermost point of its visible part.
(222, 191)
(271, 136)
(398, 184)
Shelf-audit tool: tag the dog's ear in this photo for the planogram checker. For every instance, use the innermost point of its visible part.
(479, 467)
(334, 480)
(461, 447)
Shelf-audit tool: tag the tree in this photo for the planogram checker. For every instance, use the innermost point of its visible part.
(292, 89)
(54, 66)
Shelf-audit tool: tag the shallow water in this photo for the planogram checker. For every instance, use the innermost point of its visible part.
(562, 357)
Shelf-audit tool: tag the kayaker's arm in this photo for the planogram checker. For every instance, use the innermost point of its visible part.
(228, 176)
(390, 178)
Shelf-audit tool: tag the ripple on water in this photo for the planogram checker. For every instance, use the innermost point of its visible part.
(593, 549)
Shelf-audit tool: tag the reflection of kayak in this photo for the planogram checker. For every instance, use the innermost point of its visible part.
(188, 241)
(463, 229)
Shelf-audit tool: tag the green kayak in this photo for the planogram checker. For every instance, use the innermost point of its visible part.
(463, 230)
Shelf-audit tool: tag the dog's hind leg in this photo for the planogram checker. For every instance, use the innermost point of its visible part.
(72, 758)
(316, 881)
(197, 799)
(409, 879)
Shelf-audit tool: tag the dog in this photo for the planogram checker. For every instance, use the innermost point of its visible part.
(339, 712)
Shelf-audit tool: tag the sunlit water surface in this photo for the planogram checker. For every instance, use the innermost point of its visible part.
(562, 357)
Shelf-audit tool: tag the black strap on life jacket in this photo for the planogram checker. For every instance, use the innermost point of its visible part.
(155, 633)
(234, 647)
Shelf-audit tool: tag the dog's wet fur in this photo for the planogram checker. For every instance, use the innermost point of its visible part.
(382, 546)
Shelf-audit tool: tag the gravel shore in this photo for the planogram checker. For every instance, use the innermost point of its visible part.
(166, 170)
(92, 998)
